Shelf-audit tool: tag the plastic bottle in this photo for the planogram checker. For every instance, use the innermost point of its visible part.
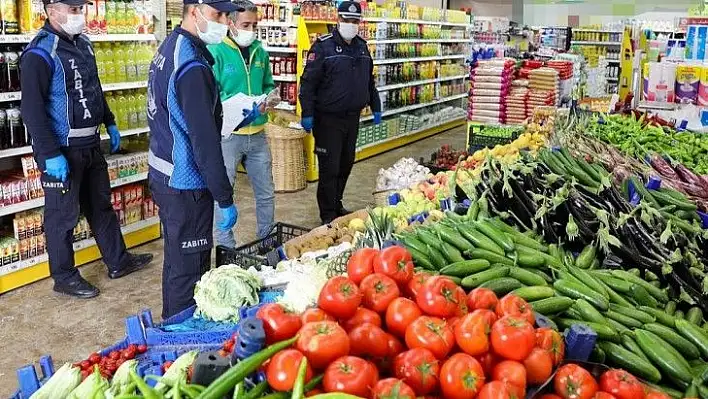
(100, 60)
(122, 118)
(119, 58)
(132, 111)
(131, 63)
(140, 103)
(121, 17)
(111, 16)
(145, 57)
(109, 64)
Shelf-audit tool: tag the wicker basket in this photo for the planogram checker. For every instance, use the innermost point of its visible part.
(288, 151)
(381, 197)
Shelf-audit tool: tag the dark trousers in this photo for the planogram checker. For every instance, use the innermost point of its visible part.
(87, 190)
(335, 146)
(187, 218)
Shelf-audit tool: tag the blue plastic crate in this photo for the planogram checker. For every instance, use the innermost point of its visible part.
(155, 336)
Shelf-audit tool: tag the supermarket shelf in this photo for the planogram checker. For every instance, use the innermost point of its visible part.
(419, 82)
(39, 202)
(13, 152)
(283, 106)
(373, 149)
(28, 271)
(597, 30)
(129, 132)
(416, 106)
(419, 59)
(318, 22)
(8, 39)
(10, 96)
(285, 78)
(612, 79)
(273, 49)
(584, 43)
(381, 41)
(16, 95)
(417, 21)
(277, 24)
(613, 61)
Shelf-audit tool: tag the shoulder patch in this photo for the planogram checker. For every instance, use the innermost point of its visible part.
(324, 37)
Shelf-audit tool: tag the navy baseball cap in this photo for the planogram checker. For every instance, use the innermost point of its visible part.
(220, 5)
(349, 10)
(73, 3)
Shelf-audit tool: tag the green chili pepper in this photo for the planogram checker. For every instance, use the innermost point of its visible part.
(299, 385)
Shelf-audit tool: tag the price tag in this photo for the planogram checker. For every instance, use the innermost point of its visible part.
(704, 117)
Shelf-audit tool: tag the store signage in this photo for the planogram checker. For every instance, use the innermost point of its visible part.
(684, 22)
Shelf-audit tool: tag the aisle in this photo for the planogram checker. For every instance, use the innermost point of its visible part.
(35, 321)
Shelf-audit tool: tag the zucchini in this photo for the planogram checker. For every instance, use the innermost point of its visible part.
(420, 259)
(631, 362)
(526, 259)
(657, 293)
(451, 253)
(436, 258)
(664, 356)
(496, 235)
(466, 268)
(642, 296)
(526, 277)
(479, 240)
(588, 312)
(552, 306)
(661, 316)
(479, 253)
(633, 347)
(695, 315)
(589, 280)
(502, 285)
(454, 238)
(695, 335)
(603, 331)
(633, 313)
(477, 279)
(577, 291)
(682, 345)
(533, 293)
(586, 257)
(670, 308)
(623, 319)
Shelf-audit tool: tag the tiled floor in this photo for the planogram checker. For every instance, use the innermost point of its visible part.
(36, 321)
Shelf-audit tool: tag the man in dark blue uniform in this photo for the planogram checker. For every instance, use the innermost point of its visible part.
(187, 172)
(62, 108)
(336, 85)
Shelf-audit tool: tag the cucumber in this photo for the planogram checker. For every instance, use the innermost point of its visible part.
(670, 308)
(621, 328)
(588, 312)
(454, 279)
(526, 259)
(429, 238)
(614, 283)
(695, 335)
(695, 315)
(572, 312)
(521, 239)
(666, 199)
(633, 347)
(479, 253)
(661, 316)
(657, 293)
(466, 268)
(623, 319)
(451, 253)
(631, 362)
(664, 356)
(673, 393)
(597, 355)
(679, 315)
(479, 240)
(641, 295)
(603, 331)
(614, 296)
(554, 251)
(451, 236)
(503, 285)
(533, 293)
(551, 306)
(477, 279)
(589, 280)
(411, 241)
(496, 235)
(577, 291)
(436, 258)
(526, 277)
(633, 313)
(586, 257)
(685, 347)
(543, 275)
(420, 259)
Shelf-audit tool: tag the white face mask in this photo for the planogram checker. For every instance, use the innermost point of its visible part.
(215, 32)
(243, 38)
(74, 24)
(348, 31)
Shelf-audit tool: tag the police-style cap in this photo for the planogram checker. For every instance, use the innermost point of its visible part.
(73, 3)
(220, 5)
(349, 10)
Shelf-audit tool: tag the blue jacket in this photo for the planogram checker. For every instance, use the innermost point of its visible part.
(338, 77)
(184, 114)
(62, 100)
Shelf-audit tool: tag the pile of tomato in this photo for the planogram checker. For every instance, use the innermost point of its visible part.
(385, 331)
(107, 365)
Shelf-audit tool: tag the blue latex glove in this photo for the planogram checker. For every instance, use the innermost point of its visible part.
(307, 123)
(229, 216)
(57, 167)
(377, 118)
(114, 134)
(250, 116)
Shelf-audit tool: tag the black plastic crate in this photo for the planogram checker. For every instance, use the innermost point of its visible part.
(476, 140)
(265, 251)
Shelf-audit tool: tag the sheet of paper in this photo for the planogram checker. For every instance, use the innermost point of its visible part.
(234, 107)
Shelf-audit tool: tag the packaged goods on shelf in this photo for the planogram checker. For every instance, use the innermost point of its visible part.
(490, 83)
(17, 186)
(12, 130)
(517, 109)
(544, 87)
(687, 82)
(129, 108)
(659, 81)
(125, 165)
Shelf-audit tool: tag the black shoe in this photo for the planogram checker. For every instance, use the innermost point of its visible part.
(326, 221)
(343, 212)
(134, 263)
(79, 288)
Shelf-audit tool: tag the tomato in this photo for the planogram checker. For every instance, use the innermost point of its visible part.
(322, 342)
(313, 392)
(339, 297)
(394, 348)
(368, 339)
(431, 333)
(416, 283)
(282, 369)
(574, 382)
(142, 348)
(657, 395)
(472, 332)
(362, 316)
(512, 338)
(419, 369)
(315, 314)
(115, 355)
(393, 388)
(379, 291)
(395, 262)
(605, 395)
(94, 358)
(401, 312)
(495, 390)
(550, 396)
(621, 384)
(352, 375)
(551, 340)
(361, 264)
(461, 377)
(487, 361)
(438, 297)
(510, 371)
(512, 305)
(461, 298)
(278, 323)
(539, 366)
(482, 298)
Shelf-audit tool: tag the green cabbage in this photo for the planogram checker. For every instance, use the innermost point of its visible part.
(223, 290)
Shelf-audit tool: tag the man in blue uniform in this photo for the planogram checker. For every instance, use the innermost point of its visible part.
(336, 85)
(187, 172)
(62, 108)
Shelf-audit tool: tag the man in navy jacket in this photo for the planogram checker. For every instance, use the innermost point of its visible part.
(62, 107)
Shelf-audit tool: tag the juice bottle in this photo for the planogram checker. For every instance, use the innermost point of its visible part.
(112, 105)
(132, 111)
(121, 17)
(111, 16)
(144, 55)
(120, 62)
(131, 70)
(140, 102)
(100, 60)
(109, 64)
(123, 118)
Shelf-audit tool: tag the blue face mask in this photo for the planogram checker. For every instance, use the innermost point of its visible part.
(215, 32)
